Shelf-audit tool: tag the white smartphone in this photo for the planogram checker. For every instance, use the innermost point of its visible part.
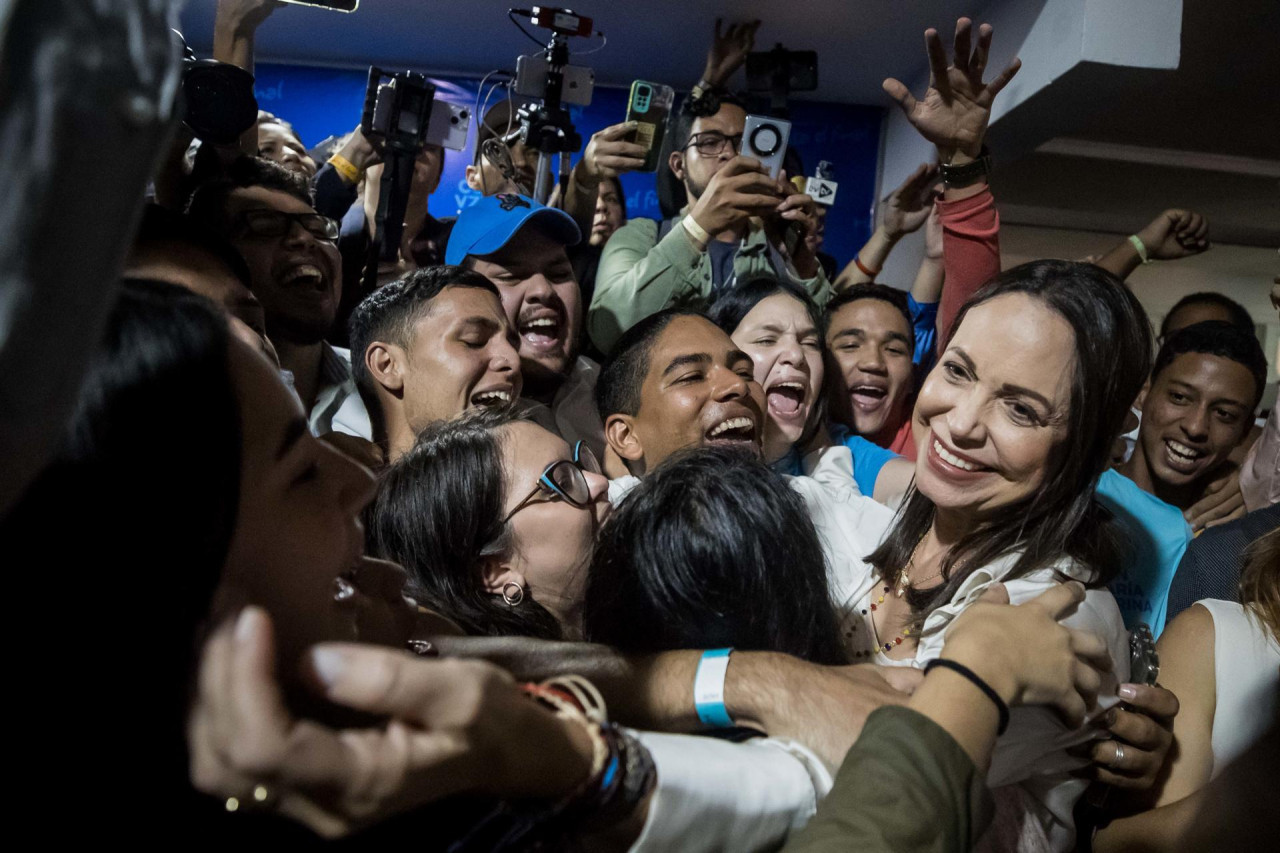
(765, 139)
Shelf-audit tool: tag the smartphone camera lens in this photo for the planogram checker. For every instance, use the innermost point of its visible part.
(765, 140)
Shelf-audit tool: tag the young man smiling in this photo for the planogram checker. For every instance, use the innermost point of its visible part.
(427, 348)
(519, 245)
(1198, 406)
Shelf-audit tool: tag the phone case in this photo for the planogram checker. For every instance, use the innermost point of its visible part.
(649, 107)
(765, 139)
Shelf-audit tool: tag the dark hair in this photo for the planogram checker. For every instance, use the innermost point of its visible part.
(388, 314)
(163, 226)
(1239, 316)
(624, 369)
(1062, 517)
(208, 204)
(1220, 338)
(622, 193)
(872, 290)
(731, 309)
(146, 480)
(438, 513)
(712, 549)
(671, 192)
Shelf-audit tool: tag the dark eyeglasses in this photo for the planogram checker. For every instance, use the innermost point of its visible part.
(275, 223)
(711, 143)
(564, 479)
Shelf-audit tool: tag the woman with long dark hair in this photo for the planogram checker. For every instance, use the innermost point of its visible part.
(1014, 427)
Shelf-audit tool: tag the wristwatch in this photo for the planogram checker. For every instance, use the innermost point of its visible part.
(956, 177)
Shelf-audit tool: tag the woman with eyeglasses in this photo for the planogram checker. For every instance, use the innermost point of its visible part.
(495, 519)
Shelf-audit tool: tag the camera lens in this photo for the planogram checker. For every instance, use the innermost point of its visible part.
(766, 139)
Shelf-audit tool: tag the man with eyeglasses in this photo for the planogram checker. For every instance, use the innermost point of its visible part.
(736, 224)
(266, 213)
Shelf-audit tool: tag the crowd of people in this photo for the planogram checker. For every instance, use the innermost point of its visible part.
(563, 530)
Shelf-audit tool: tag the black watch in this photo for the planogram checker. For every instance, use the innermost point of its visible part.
(956, 177)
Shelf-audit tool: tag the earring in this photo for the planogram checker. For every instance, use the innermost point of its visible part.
(512, 599)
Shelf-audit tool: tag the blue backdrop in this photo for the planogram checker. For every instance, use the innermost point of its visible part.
(321, 102)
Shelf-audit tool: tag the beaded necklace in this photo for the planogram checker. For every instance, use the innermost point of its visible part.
(904, 583)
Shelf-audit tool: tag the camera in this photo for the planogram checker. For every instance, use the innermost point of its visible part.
(531, 80)
(220, 104)
(765, 139)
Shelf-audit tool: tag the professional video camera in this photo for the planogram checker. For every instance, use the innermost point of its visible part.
(545, 126)
(401, 111)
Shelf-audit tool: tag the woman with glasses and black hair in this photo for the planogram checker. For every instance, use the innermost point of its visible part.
(495, 519)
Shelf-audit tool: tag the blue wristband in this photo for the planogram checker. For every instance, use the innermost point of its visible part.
(708, 689)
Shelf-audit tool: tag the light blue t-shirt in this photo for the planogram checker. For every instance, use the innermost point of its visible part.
(868, 458)
(924, 320)
(1159, 536)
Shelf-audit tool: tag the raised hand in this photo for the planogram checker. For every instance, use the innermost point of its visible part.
(741, 189)
(609, 153)
(245, 15)
(1175, 234)
(954, 112)
(728, 51)
(908, 207)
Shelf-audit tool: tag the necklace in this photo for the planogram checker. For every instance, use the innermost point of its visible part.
(897, 641)
(904, 579)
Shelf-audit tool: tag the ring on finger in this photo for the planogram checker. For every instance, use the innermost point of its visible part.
(1118, 759)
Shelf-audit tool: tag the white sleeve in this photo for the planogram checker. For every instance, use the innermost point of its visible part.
(716, 795)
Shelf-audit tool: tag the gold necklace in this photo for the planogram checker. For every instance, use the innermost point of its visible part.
(904, 577)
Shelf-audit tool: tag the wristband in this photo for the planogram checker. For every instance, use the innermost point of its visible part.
(345, 168)
(699, 235)
(957, 177)
(857, 261)
(708, 689)
(960, 669)
(1139, 247)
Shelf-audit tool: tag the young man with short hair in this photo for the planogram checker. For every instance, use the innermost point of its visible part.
(265, 212)
(734, 226)
(520, 246)
(1197, 407)
(429, 346)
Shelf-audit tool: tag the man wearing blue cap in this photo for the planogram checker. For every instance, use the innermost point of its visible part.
(519, 245)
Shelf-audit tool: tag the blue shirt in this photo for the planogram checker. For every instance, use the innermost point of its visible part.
(1159, 536)
(868, 458)
(924, 319)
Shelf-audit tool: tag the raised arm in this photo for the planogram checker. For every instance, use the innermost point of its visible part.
(904, 210)
(728, 51)
(953, 115)
(234, 27)
(609, 153)
(1172, 235)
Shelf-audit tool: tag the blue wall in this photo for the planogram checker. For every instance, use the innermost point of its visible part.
(321, 102)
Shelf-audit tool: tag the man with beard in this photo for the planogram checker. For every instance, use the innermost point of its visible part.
(519, 245)
(265, 212)
(735, 225)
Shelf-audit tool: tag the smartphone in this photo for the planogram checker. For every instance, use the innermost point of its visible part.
(649, 107)
(577, 81)
(448, 125)
(335, 5)
(765, 139)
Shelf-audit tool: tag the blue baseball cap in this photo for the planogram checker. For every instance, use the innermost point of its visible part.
(489, 224)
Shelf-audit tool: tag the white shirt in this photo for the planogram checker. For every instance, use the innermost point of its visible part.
(572, 414)
(338, 407)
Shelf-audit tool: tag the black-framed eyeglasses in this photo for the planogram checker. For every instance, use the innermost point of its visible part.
(711, 143)
(277, 223)
(564, 479)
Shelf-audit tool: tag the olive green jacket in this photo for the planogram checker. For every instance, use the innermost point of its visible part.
(906, 786)
(640, 275)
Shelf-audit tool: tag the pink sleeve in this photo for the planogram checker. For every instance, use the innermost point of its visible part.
(970, 253)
